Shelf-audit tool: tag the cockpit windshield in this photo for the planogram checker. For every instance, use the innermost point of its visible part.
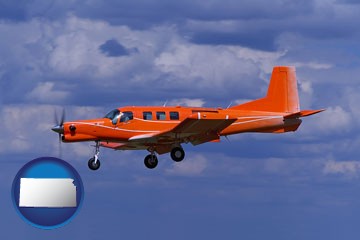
(113, 115)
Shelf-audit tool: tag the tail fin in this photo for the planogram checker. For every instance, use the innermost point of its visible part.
(282, 95)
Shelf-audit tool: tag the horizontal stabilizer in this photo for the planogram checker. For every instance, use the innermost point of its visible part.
(303, 113)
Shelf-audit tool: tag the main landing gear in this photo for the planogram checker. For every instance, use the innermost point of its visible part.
(151, 161)
(177, 154)
(94, 162)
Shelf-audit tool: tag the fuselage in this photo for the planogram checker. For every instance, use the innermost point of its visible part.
(124, 123)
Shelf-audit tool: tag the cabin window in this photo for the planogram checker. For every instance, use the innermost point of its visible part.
(126, 116)
(174, 115)
(160, 116)
(147, 115)
(113, 116)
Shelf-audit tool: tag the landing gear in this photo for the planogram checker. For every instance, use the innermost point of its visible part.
(177, 154)
(94, 162)
(151, 161)
(93, 165)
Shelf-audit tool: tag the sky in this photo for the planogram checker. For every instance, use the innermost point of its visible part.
(91, 56)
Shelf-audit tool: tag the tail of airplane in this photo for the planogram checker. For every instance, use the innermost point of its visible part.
(282, 95)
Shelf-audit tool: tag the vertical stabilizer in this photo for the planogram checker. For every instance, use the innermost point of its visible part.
(282, 95)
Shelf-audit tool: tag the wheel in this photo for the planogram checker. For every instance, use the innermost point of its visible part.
(177, 154)
(151, 161)
(92, 165)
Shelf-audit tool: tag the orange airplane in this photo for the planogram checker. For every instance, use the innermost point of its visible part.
(163, 129)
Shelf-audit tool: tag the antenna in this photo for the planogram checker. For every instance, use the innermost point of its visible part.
(165, 103)
(229, 105)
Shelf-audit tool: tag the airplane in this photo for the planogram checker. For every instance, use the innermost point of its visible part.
(163, 129)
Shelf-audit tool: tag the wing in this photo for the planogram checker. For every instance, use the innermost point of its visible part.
(202, 127)
(198, 128)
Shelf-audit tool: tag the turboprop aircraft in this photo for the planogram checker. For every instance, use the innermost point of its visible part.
(162, 130)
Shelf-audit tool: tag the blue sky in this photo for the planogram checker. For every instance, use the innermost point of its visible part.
(93, 56)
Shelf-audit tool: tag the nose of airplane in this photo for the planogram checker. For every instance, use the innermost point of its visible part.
(58, 129)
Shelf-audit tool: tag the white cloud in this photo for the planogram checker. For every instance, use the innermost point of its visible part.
(347, 168)
(312, 65)
(306, 87)
(334, 120)
(67, 52)
(241, 101)
(193, 166)
(28, 128)
(45, 93)
(215, 66)
(195, 102)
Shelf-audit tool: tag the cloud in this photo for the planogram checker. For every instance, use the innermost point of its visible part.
(333, 121)
(194, 166)
(27, 128)
(347, 168)
(112, 48)
(195, 102)
(313, 65)
(45, 93)
(67, 52)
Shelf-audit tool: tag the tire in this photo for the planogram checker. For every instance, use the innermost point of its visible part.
(177, 154)
(92, 165)
(151, 161)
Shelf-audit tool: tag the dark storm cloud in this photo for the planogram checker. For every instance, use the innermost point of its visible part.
(112, 48)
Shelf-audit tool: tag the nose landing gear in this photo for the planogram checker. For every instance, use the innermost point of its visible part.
(94, 162)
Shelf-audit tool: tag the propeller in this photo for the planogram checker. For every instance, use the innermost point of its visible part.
(59, 127)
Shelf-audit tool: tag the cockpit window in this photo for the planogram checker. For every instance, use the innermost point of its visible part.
(113, 116)
(126, 116)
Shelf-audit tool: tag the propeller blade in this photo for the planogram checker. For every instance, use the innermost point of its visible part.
(59, 127)
(62, 117)
(60, 148)
(56, 119)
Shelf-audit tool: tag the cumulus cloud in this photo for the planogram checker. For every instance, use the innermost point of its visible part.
(44, 92)
(67, 52)
(27, 128)
(334, 120)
